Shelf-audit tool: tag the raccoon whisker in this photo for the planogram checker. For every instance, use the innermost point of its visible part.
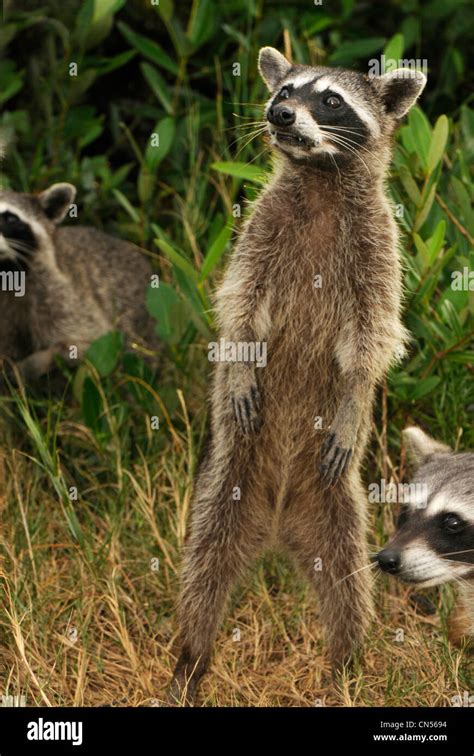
(239, 138)
(343, 142)
(454, 553)
(339, 140)
(19, 245)
(346, 138)
(340, 128)
(462, 581)
(257, 130)
(22, 249)
(365, 567)
(265, 149)
(249, 104)
(359, 146)
(336, 165)
(249, 126)
(243, 125)
(252, 137)
(240, 126)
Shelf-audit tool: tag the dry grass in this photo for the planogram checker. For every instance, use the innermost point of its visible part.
(93, 625)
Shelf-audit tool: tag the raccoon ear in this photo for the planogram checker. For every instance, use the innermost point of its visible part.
(420, 445)
(273, 66)
(400, 89)
(56, 201)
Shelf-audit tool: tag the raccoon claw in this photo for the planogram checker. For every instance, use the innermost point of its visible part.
(246, 410)
(336, 459)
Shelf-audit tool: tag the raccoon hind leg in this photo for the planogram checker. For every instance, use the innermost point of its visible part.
(325, 532)
(226, 536)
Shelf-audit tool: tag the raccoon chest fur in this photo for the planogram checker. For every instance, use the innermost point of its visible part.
(299, 283)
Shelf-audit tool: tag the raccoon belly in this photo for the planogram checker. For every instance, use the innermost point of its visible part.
(302, 389)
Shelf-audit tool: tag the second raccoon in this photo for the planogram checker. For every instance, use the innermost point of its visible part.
(79, 283)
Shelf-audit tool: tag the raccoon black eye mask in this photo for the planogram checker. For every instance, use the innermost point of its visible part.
(434, 542)
(17, 242)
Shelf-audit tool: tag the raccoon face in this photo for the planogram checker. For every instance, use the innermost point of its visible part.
(434, 542)
(17, 241)
(330, 115)
(27, 222)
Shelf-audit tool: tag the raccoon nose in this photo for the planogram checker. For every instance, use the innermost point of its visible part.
(389, 561)
(281, 115)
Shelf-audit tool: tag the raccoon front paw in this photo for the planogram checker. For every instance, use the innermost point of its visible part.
(335, 455)
(246, 408)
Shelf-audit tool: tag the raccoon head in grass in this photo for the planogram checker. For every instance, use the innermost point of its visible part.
(331, 117)
(434, 542)
(27, 224)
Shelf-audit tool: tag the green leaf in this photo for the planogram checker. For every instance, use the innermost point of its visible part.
(424, 212)
(148, 48)
(451, 318)
(242, 171)
(84, 21)
(438, 142)
(393, 52)
(406, 136)
(215, 252)
(435, 243)
(411, 30)
(91, 404)
(170, 312)
(132, 212)
(145, 184)
(467, 128)
(106, 8)
(105, 65)
(81, 123)
(355, 49)
(424, 387)
(423, 250)
(421, 133)
(160, 142)
(104, 353)
(463, 201)
(177, 259)
(410, 185)
(94, 27)
(202, 23)
(158, 86)
(11, 80)
(321, 23)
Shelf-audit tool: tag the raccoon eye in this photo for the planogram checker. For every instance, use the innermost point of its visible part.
(285, 93)
(9, 217)
(452, 523)
(332, 101)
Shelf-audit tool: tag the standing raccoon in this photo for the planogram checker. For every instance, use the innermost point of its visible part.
(316, 277)
(79, 283)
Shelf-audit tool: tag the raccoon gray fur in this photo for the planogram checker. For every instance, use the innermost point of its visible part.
(434, 542)
(80, 283)
(273, 478)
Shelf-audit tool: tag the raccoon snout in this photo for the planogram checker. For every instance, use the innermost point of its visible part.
(281, 115)
(389, 561)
